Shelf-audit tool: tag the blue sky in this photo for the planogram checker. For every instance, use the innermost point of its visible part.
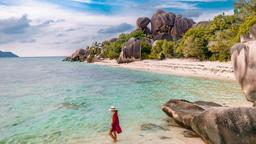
(58, 27)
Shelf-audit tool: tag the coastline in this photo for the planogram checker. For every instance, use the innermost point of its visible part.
(180, 67)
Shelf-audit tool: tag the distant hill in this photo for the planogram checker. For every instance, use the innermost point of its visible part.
(7, 54)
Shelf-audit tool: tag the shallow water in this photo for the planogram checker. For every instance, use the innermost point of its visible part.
(45, 100)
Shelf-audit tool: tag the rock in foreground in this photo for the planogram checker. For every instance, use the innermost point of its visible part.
(213, 123)
(183, 111)
(226, 125)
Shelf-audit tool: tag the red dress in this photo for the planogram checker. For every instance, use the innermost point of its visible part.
(115, 124)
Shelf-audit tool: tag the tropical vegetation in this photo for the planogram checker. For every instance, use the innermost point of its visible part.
(209, 40)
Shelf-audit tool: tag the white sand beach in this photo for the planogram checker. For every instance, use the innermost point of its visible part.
(182, 67)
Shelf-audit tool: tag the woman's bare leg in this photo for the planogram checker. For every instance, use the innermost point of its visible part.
(115, 135)
(111, 135)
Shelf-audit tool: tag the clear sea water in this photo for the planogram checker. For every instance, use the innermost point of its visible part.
(45, 100)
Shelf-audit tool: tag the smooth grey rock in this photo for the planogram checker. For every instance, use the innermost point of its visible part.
(131, 51)
(226, 125)
(213, 123)
(169, 26)
(142, 22)
(78, 55)
(182, 111)
(244, 63)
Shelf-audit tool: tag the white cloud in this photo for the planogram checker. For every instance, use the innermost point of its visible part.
(49, 29)
(74, 29)
(177, 5)
(123, 27)
(210, 15)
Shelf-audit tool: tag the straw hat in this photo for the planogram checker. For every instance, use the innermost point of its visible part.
(112, 108)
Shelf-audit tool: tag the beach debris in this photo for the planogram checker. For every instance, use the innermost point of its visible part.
(213, 123)
(164, 137)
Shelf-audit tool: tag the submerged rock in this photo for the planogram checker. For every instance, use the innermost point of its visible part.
(78, 55)
(244, 63)
(150, 127)
(131, 51)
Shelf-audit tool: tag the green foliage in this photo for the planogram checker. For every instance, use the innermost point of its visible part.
(95, 48)
(145, 48)
(90, 58)
(136, 34)
(245, 8)
(194, 43)
(204, 41)
(112, 49)
(162, 49)
(245, 26)
(220, 44)
(211, 41)
(222, 22)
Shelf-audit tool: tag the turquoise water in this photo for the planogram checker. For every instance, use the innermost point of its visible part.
(45, 100)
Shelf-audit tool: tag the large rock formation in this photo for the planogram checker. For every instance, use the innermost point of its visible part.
(142, 23)
(131, 51)
(244, 63)
(226, 125)
(78, 55)
(213, 123)
(181, 25)
(183, 111)
(169, 26)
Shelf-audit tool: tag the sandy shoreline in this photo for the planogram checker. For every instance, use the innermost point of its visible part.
(180, 67)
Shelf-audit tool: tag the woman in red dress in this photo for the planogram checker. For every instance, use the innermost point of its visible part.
(115, 126)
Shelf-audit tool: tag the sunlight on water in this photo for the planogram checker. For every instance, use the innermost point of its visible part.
(45, 100)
